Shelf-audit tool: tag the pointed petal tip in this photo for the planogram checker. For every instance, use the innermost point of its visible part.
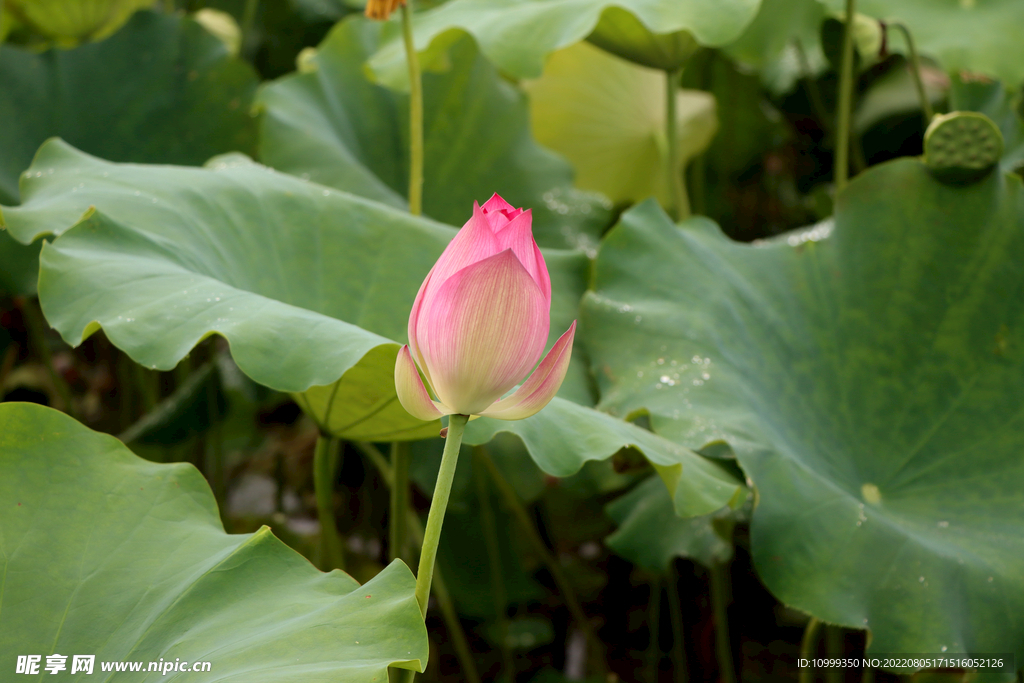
(538, 390)
(412, 394)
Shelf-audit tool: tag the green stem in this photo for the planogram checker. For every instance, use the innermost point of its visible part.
(811, 83)
(415, 116)
(10, 358)
(494, 559)
(248, 25)
(698, 174)
(719, 602)
(125, 388)
(182, 371)
(438, 505)
(36, 327)
(834, 650)
(451, 620)
(325, 457)
(561, 581)
(842, 154)
(915, 71)
(440, 589)
(214, 445)
(807, 648)
(397, 519)
(680, 207)
(654, 628)
(146, 384)
(675, 613)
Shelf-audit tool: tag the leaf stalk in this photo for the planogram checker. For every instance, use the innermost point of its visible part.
(415, 116)
(842, 155)
(324, 463)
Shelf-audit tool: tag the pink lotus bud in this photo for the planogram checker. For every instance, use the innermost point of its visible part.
(480, 322)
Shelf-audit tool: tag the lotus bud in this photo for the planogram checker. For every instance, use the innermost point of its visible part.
(480, 322)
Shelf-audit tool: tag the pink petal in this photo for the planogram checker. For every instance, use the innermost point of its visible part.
(411, 393)
(541, 387)
(414, 316)
(496, 203)
(518, 236)
(484, 329)
(499, 212)
(474, 242)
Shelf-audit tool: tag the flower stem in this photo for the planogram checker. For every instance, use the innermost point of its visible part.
(807, 647)
(324, 461)
(675, 613)
(915, 71)
(494, 558)
(440, 589)
(680, 206)
(398, 517)
(561, 581)
(36, 325)
(415, 116)
(719, 601)
(438, 505)
(842, 154)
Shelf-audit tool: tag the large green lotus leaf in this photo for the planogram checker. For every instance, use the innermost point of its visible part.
(517, 36)
(972, 35)
(333, 126)
(107, 554)
(302, 280)
(76, 19)
(607, 116)
(990, 98)
(773, 42)
(160, 90)
(651, 534)
(622, 33)
(565, 436)
(867, 373)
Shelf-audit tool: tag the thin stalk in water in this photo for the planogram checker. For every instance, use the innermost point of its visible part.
(675, 613)
(833, 650)
(842, 155)
(720, 604)
(915, 71)
(680, 208)
(36, 326)
(325, 458)
(249, 26)
(654, 628)
(494, 560)
(807, 648)
(415, 116)
(515, 506)
(397, 518)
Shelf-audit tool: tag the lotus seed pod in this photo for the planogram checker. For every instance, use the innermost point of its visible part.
(962, 146)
